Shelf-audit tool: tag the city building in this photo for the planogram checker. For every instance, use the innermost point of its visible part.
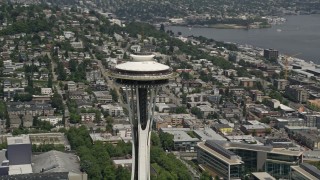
(56, 161)
(93, 75)
(162, 98)
(222, 156)
(247, 82)
(9, 93)
(142, 78)
(165, 108)
(181, 139)
(126, 163)
(304, 171)
(122, 130)
(40, 99)
(72, 86)
(103, 96)
(88, 117)
(311, 139)
(19, 150)
(223, 128)
(311, 120)
(106, 138)
(256, 95)
(15, 121)
(259, 129)
(219, 161)
(172, 120)
(280, 84)
(262, 176)
(273, 103)
(282, 122)
(16, 159)
(113, 110)
(297, 93)
(46, 91)
(32, 108)
(199, 97)
(270, 54)
(208, 134)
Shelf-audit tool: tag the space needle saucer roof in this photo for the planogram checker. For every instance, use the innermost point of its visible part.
(142, 68)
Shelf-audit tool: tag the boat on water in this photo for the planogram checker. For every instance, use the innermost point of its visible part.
(279, 30)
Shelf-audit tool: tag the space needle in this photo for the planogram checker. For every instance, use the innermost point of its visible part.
(141, 78)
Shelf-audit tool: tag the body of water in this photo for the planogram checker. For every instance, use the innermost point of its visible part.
(300, 34)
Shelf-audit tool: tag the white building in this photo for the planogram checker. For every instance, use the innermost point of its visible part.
(72, 86)
(88, 117)
(68, 34)
(122, 130)
(113, 110)
(53, 120)
(47, 91)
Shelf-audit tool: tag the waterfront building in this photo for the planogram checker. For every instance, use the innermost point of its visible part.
(270, 54)
(142, 77)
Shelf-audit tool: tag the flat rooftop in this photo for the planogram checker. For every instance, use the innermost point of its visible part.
(209, 134)
(263, 176)
(48, 138)
(233, 161)
(180, 134)
(122, 161)
(20, 169)
(56, 161)
(304, 172)
(24, 139)
(253, 147)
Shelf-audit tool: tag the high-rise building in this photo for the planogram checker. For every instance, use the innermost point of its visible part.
(270, 54)
(142, 78)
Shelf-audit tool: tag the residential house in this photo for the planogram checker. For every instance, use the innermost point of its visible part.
(27, 120)
(15, 121)
(113, 110)
(88, 117)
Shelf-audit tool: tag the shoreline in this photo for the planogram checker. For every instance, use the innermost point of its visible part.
(279, 36)
(225, 26)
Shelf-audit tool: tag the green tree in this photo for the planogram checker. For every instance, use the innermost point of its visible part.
(49, 85)
(205, 176)
(162, 28)
(155, 140)
(181, 110)
(122, 173)
(166, 140)
(114, 94)
(196, 111)
(57, 102)
(62, 75)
